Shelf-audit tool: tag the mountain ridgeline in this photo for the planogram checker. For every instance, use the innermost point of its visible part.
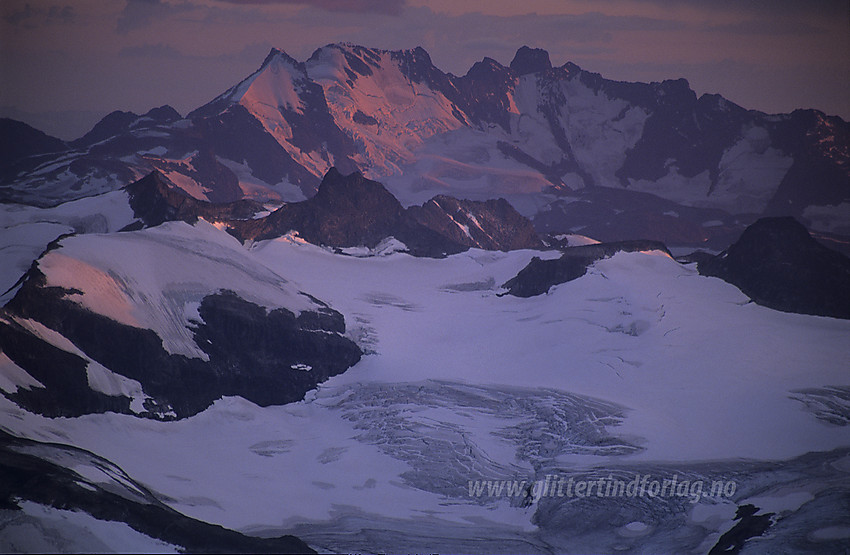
(567, 148)
(350, 211)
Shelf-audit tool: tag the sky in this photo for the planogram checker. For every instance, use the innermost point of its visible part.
(65, 64)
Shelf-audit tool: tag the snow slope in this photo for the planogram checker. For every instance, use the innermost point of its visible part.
(26, 230)
(387, 113)
(156, 279)
(639, 364)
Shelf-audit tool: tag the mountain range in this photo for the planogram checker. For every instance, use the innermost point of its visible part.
(351, 302)
(570, 150)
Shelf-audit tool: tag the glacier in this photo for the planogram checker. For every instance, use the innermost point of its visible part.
(638, 366)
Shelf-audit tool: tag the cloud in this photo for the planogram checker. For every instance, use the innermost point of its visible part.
(138, 14)
(820, 8)
(765, 27)
(31, 17)
(159, 51)
(251, 54)
(391, 7)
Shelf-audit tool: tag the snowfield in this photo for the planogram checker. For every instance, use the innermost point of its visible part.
(641, 363)
(156, 279)
(28, 230)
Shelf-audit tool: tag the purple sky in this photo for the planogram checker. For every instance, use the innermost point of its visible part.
(65, 64)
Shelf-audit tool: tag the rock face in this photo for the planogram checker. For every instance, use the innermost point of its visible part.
(346, 211)
(269, 358)
(351, 210)
(530, 60)
(490, 225)
(539, 275)
(778, 264)
(154, 201)
(112, 342)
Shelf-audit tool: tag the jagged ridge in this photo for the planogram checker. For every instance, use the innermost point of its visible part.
(351, 210)
(522, 132)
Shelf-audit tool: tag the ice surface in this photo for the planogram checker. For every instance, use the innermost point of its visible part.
(640, 330)
(640, 364)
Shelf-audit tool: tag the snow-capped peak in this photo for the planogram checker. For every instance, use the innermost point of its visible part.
(274, 85)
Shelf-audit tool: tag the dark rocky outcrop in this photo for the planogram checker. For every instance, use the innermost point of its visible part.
(819, 176)
(490, 225)
(154, 201)
(162, 114)
(44, 473)
(539, 275)
(346, 211)
(267, 159)
(350, 211)
(779, 265)
(66, 391)
(484, 93)
(750, 525)
(268, 357)
(217, 182)
(530, 60)
(678, 114)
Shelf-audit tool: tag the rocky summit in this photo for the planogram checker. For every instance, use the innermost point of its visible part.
(350, 211)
